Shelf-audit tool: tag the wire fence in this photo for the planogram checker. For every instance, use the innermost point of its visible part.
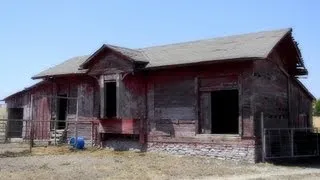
(18, 133)
(290, 142)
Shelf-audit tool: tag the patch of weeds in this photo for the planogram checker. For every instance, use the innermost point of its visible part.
(65, 164)
(15, 154)
(118, 161)
(141, 153)
(44, 166)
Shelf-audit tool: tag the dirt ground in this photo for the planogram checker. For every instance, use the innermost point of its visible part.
(61, 163)
(16, 148)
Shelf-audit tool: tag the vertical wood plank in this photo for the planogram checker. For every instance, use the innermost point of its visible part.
(263, 145)
(151, 113)
(289, 103)
(205, 111)
(119, 95)
(101, 85)
(196, 92)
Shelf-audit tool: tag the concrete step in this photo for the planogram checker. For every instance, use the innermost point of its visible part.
(55, 135)
(52, 140)
(59, 130)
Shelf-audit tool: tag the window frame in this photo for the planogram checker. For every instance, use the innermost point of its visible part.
(105, 79)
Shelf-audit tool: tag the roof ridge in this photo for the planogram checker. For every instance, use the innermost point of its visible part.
(116, 46)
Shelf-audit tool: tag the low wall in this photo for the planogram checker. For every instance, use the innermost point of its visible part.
(122, 145)
(243, 150)
(237, 152)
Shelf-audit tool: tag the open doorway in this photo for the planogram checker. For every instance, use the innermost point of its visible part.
(15, 123)
(110, 99)
(224, 112)
(62, 111)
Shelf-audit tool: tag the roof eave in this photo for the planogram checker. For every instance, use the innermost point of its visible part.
(57, 75)
(103, 47)
(207, 62)
(305, 89)
(23, 91)
(289, 31)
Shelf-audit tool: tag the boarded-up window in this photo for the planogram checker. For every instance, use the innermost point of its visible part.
(175, 100)
(175, 94)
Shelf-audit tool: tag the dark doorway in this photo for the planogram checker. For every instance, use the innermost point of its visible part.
(62, 111)
(225, 112)
(110, 99)
(15, 123)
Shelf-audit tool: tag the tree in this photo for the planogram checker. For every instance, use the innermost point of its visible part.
(316, 108)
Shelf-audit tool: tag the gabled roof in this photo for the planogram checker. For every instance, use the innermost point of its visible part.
(131, 54)
(24, 90)
(246, 46)
(70, 66)
(253, 45)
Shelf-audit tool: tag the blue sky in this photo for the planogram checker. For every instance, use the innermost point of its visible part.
(35, 35)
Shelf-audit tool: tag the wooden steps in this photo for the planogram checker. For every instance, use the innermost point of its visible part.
(58, 136)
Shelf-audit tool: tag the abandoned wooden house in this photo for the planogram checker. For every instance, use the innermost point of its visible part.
(201, 98)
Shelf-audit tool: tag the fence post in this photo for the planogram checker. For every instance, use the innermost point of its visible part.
(31, 123)
(55, 131)
(76, 124)
(263, 152)
(291, 142)
(92, 133)
(6, 130)
(317, 141)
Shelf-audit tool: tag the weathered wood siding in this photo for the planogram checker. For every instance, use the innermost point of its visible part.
(173, 104)
(109, 63)
(131, 93)
(300, 106)
(132, 97)
(85, 88)
(44, 106)
(282, 100)
(176, 99)
(270, 96)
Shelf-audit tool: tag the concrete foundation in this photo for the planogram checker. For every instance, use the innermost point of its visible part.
(220, 151)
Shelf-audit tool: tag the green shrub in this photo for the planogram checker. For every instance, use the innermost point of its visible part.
(316, 108)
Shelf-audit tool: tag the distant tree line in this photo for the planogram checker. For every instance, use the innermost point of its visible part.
(316, 108)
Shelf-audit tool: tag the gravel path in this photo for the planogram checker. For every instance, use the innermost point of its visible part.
(102, 164)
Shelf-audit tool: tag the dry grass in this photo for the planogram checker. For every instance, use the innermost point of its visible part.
(63, 163)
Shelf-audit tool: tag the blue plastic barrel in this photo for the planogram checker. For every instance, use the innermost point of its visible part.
(79, 144)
